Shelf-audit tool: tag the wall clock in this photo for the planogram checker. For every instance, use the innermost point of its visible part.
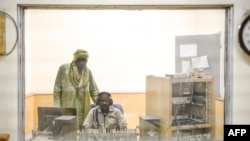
(6, 18)
(244, 33)
(2, 33)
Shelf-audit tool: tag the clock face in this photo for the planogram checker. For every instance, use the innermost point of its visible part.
(244, 35)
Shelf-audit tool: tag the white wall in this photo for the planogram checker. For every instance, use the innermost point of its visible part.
(124, 45)
(9, 79)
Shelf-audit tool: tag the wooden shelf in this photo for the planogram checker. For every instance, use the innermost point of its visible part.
(160, 102)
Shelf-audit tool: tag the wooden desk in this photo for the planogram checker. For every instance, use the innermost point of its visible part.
(4, 137)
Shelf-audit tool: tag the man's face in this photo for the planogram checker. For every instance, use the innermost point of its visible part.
(81, 62)
(104, 102)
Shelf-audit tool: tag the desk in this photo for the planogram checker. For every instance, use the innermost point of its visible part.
(94, 135)
(108, 135)
(65, 128)
(149, 126)
(4, 137)
(49, 137)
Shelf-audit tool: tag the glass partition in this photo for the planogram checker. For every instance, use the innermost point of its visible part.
(124, 46)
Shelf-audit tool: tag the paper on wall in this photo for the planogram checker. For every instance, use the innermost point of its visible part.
(200, 62)
(188, 50)
(185, 65)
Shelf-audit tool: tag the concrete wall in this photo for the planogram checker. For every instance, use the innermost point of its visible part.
(9, 108)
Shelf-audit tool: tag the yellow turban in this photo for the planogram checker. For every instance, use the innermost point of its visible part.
(81, 53)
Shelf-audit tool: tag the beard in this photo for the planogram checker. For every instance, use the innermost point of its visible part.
(104, 108)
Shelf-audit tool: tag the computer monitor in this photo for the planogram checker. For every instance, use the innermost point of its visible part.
(46, 116)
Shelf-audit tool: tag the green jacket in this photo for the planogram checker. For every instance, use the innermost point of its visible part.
(65, 94)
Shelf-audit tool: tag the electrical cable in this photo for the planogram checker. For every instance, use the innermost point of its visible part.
(5, 54)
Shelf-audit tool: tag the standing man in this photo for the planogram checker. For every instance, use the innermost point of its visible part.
(75, 86)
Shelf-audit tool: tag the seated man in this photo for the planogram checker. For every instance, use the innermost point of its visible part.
(104, 115)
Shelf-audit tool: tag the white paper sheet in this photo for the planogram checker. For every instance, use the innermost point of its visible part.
(200, 62)
(188, 50)
(185, 65)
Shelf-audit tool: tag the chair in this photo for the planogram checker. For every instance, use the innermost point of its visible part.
(116, 105)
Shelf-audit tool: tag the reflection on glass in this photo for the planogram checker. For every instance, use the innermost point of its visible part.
(125, 47)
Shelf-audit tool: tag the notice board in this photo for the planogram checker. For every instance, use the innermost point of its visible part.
(198, 46)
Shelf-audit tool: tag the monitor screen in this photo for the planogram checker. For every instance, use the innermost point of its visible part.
(46, 115)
